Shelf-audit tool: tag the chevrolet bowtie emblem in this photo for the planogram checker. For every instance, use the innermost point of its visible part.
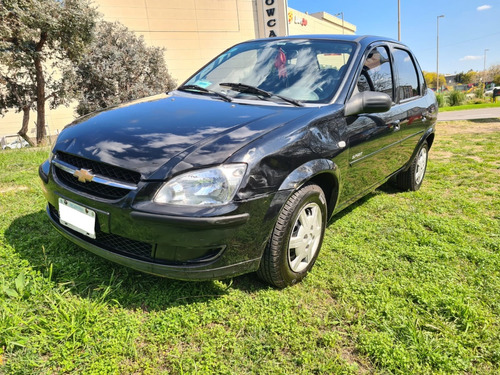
(84, 175)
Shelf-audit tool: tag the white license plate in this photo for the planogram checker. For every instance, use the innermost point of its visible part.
(77, 217)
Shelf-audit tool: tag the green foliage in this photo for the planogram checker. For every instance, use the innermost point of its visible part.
(479, 92)
(466, 78)
(456, 98)
(39, 40)
(496, 80)
(441, 99)
(482, 104)
(405, 283)
(120, 67)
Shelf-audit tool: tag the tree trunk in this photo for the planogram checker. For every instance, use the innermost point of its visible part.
(24, 129)
(40, 91)
(40, 102)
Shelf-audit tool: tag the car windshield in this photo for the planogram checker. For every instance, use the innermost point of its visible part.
(300, 71)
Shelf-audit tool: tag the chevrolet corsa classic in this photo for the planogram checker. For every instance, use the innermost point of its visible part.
(242, 166)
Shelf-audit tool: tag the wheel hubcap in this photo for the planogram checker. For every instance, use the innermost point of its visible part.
(420, 166)
(305, 237)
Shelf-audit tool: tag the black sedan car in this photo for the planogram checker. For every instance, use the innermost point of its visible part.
(242, 166)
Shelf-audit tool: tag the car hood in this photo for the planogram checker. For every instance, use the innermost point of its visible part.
(155, 134)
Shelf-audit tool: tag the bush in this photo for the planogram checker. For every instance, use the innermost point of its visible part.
(441, 100)
(479, 91)
(456, 98)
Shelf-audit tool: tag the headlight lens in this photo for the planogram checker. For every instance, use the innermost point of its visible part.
(203, 187)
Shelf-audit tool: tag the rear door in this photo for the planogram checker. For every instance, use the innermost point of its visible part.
(412, 107)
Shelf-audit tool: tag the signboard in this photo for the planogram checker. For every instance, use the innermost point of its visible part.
(272, 18)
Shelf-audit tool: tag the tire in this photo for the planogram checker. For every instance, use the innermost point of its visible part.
(412, 179)
(282, 263)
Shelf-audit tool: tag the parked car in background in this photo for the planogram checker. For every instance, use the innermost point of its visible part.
(489, 92)
(242, 166)
(17, 143)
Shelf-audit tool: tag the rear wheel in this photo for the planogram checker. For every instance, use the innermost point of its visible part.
(296, 238)
(412, 178)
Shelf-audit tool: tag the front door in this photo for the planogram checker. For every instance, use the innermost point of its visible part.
(374, 139)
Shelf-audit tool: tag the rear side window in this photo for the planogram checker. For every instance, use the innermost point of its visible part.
(407, 75)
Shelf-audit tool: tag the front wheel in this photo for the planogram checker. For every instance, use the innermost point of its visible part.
(412, 178)
(296, 238)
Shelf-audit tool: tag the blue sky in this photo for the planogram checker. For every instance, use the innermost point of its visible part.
(468, 28)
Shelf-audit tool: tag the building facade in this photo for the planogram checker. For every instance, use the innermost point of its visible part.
(193, 32)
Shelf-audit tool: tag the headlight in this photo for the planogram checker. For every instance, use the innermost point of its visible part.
(204, 187)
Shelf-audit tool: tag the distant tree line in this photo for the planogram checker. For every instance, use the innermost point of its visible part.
(466, 78)
(55, 51)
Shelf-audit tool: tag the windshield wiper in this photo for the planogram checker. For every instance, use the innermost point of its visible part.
(204, 90)
(248, 89)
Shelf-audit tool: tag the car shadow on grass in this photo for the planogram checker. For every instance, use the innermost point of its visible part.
(387, 188)
(87, 275)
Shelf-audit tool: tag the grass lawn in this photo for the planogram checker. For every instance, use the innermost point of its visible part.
(470, 106)
(405, 283)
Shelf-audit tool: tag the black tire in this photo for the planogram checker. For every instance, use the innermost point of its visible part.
(281, 264)
(412, 179)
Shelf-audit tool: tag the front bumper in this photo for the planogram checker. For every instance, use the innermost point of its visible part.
(217, 243)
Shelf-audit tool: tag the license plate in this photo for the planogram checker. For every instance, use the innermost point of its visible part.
(77, 217)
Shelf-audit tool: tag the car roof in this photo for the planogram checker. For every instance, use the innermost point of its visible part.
(361, 39)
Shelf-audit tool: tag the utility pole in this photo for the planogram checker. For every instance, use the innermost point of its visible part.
(399, 20)
(437, 53)
(486, 50)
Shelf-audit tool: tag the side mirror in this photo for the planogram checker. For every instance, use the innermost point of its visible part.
(368, 102)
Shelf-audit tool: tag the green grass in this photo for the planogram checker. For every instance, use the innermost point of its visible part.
(470, 106)
(405, 283)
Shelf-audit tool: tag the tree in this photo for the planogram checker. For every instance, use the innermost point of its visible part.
(494, 72)
(430, 78)
(466, 78)
(39, 41)
(470, 77)
(120, 67)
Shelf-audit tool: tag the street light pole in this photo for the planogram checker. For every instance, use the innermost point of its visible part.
(399, 20)
(486, 50)
(437, 53)
(341, 14)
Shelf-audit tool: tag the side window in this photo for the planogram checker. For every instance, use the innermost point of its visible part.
(376, 74)
(407, 74)
(421, 79)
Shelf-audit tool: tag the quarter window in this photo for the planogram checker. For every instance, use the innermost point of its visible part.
(407, 75)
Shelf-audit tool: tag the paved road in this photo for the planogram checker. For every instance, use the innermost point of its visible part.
(470, 114)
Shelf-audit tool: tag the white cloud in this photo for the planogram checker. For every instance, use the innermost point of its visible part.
(483, 7)
(468, 58)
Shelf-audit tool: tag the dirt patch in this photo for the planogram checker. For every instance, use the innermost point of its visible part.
(441, 155)
(467, 127)
(13, 188)
(350, 355)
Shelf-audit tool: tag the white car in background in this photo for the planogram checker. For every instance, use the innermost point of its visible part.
(15, 144)
(489, 92)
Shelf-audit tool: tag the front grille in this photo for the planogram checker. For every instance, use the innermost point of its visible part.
(103, 169)
(113, 242)
(93, 188)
